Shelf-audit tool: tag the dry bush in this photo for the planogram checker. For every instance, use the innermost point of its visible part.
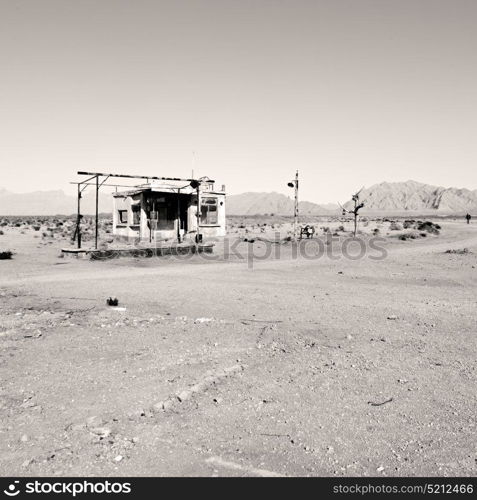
(411, 236)
(5, 254)
(429, 227)
(460, 251)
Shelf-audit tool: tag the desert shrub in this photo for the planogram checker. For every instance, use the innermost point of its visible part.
(5, 254)
(395, 226)
(376, 231)
(36, 228)
(409, 224)
(460, 251)
(341, 228)
(1, 233)
(409, 236)
(429, 227)
(18, 224)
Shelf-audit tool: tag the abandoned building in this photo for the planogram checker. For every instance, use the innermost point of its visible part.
(166, 211)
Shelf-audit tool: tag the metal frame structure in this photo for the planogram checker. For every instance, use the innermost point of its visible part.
(96, 176)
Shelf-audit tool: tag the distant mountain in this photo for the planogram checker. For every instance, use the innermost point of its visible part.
(387, 197)
(51, 203)
(272, 203)
(412, 196)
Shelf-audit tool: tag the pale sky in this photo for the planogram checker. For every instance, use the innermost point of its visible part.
(350, 92)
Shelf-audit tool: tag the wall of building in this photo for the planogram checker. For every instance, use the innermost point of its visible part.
(126, 231)
(218, 229)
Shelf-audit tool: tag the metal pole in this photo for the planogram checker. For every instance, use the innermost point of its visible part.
(78, 219)
(97, 211)
(198, 215)
(178, 215)
(295, 221)
(355, 217)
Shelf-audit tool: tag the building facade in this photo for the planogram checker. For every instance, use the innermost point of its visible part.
(166, 211)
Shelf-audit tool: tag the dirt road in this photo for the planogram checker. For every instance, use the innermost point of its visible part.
(294, 367)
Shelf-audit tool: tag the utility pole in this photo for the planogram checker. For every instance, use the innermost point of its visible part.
(294, 184)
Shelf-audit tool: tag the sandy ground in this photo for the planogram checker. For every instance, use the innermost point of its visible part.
(330, 367)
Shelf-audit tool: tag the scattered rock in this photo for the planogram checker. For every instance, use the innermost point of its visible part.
(203, 320)
(184, 396)
(95, 423)
(102, 432)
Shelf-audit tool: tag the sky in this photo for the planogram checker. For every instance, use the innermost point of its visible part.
(349, 92)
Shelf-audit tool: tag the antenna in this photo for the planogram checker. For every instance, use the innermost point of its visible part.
(194, 161)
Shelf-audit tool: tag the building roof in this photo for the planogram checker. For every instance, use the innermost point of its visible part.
(168, 187)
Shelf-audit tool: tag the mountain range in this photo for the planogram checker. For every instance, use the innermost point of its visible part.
(387, 198)
(51, 203)
(391, 198)
(412, 196)
(272, 204)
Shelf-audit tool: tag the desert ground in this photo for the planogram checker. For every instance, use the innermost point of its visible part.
(287, 365)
